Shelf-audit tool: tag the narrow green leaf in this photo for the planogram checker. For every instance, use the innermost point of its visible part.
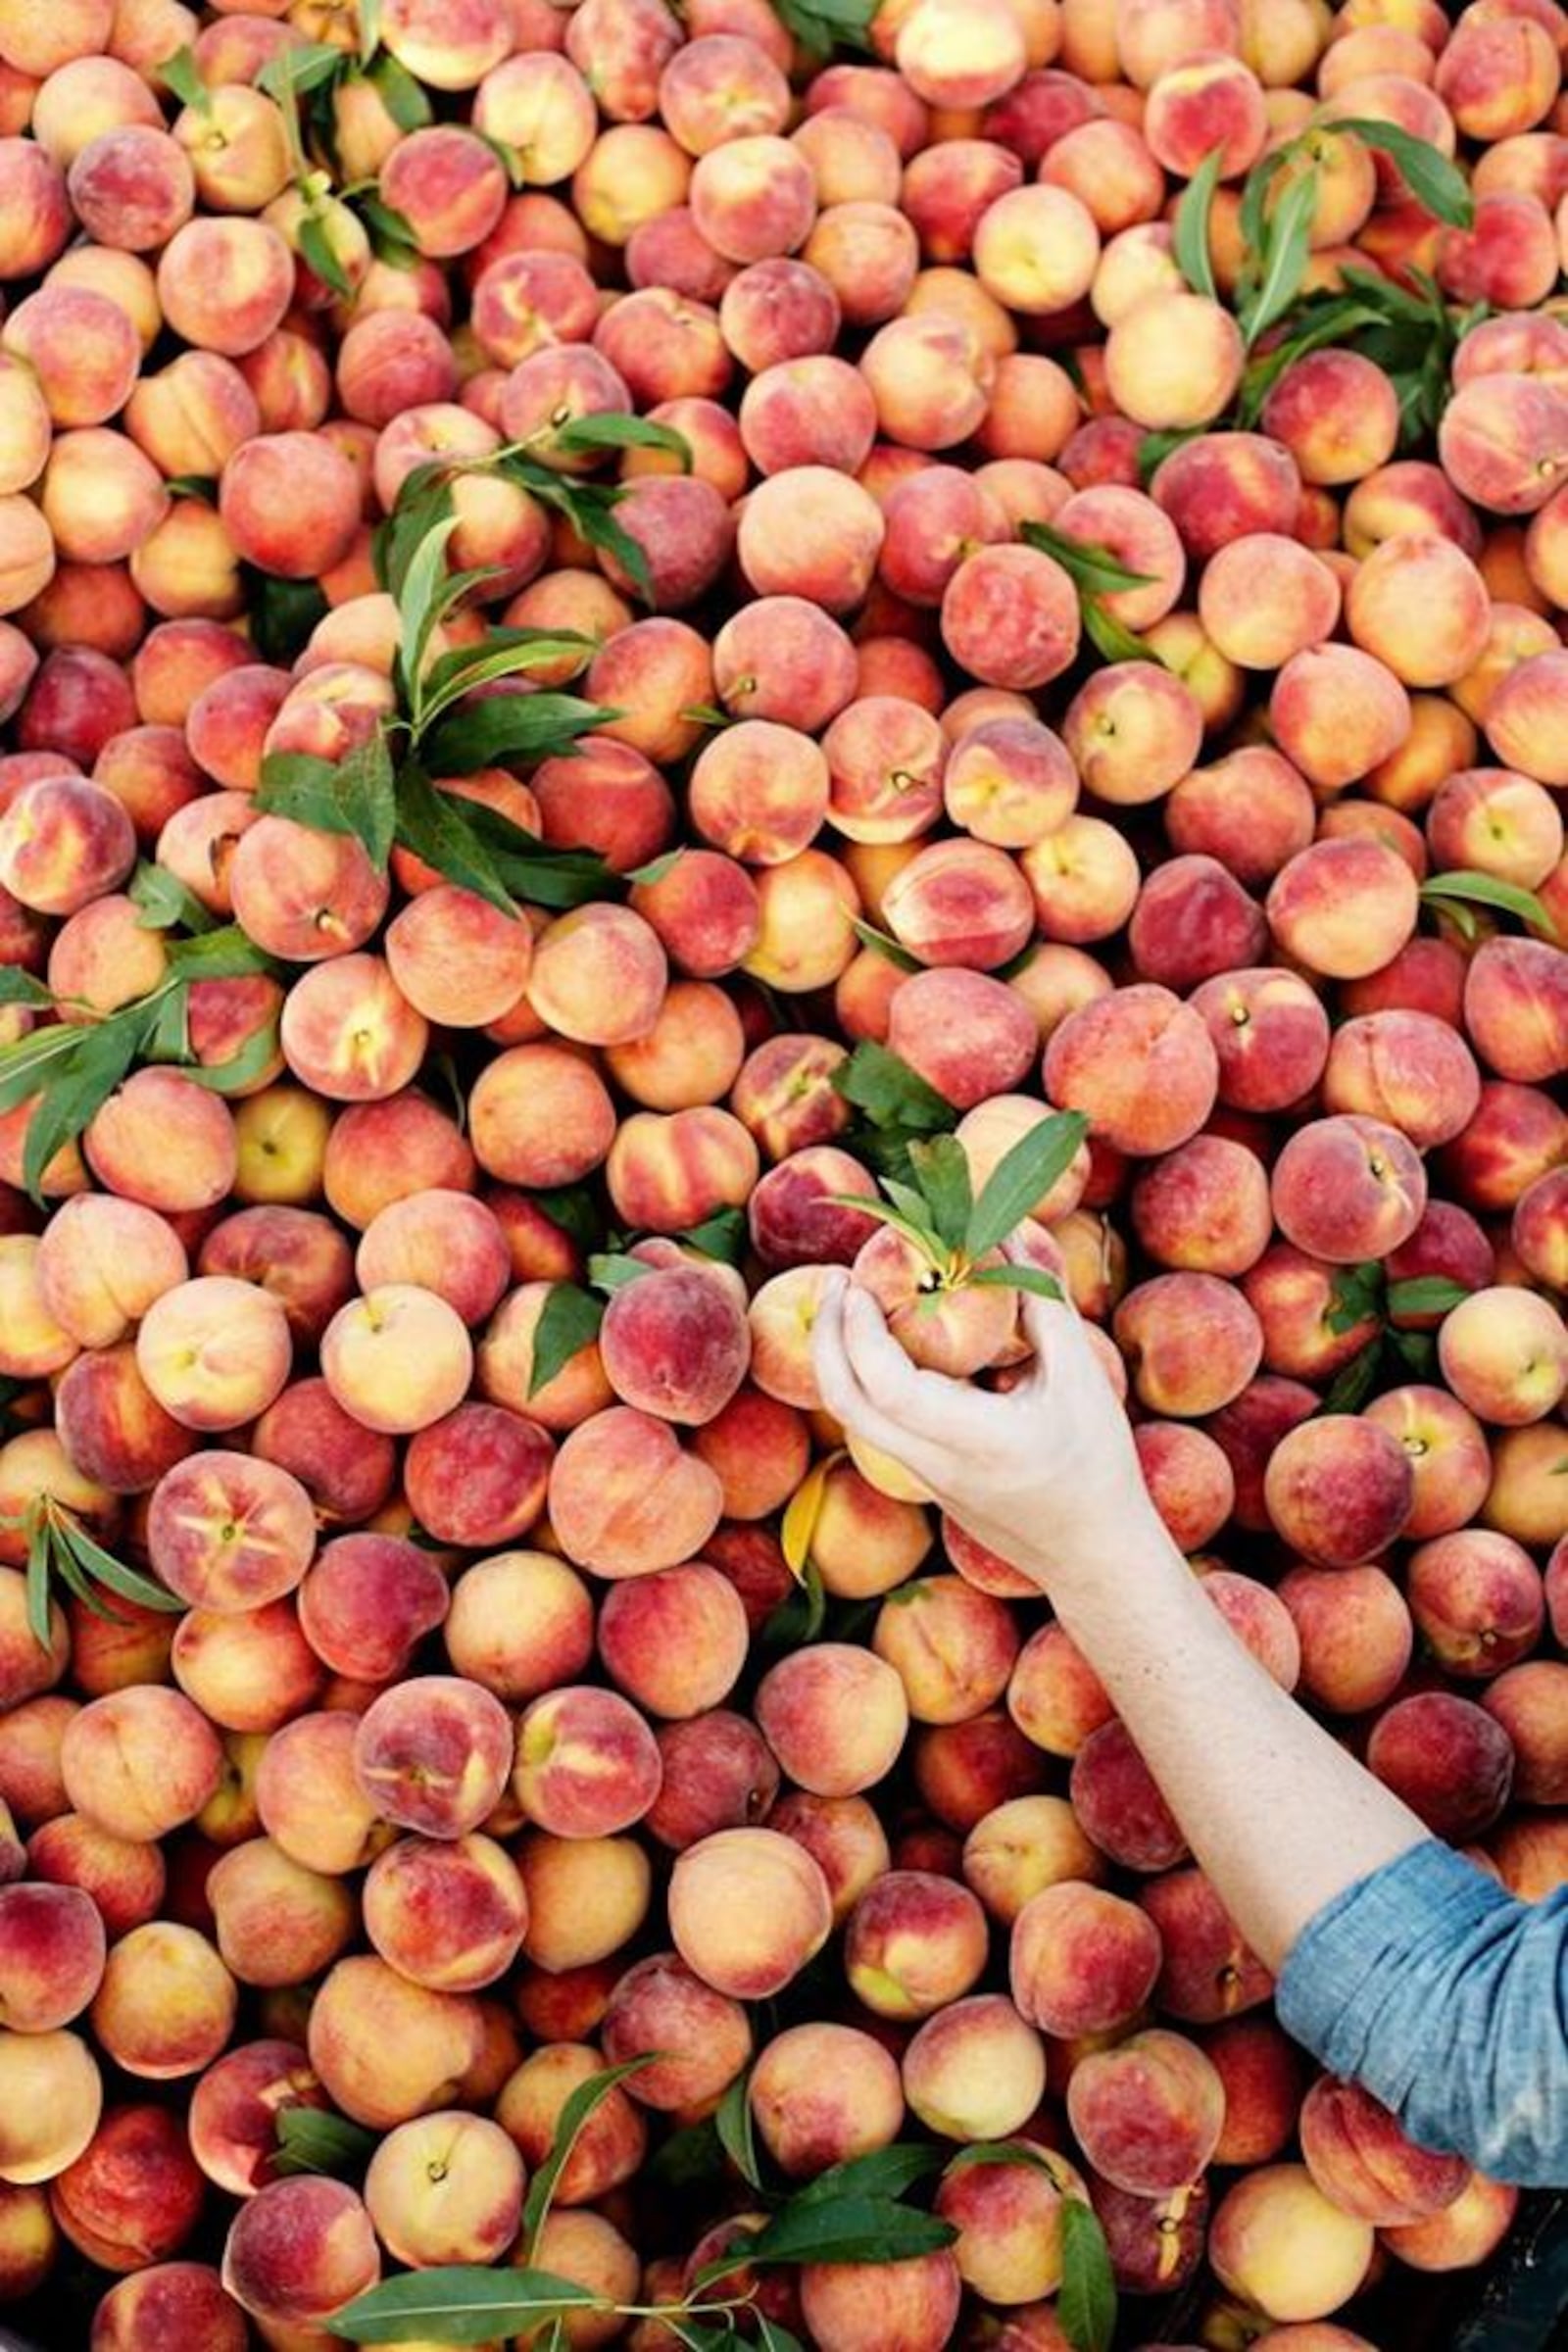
(585, 434)
(821, 26)
(183, 81)
(1093, 570)
(585, 2102)
(835, 2229)
(370, 16)
(504, 654)
(723, 1236)
(303, 66)
(572, 1208)
(310, 2140)
(436, 826)
(1111, 639)
(656, 868)
(38, 1549)
(78, 1090)
(569, 1318)
(1486, 890)
(1154, 448)
(64, 1565)
(1426, 1294)
(506, 727)
(1417, 1352)
(1022, 1177)
(886, 2172)
(318, 253)
(611, 1270)
(417, 603)
(1033, 1279)
(800, 1618)
(1189, 231)
(1355, 1380)
(105, 1569)
(17, 987)
(222, 954)
(942, 1172)
(459, 2304)
(1287, 247)
(391, 233)
(423, 501)
(1438, 185)
(1357, 1294)
(1250, 224)
(883, 945)
(920, 1230)
(889, 1093)
(33, 1061)
(736, 2137)
(403, 97)
(164, 901)
(241, 1070)
(1085, 2301)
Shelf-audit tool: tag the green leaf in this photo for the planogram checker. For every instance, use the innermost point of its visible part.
(572, 1208)
(38, 1549)
(1033, 1279)
(534, 871)
(355, 796)
(723, 1234)
(223, 953)
(585, 434)
(835, 2229)
(1022, 1177)
(319, 254)
(1438, 185)
(424, 501)
(505, 654)
(1250, 224)
(507, 727)
(304, 65)
(391, 233)
(164, 901)
(889, 1093)
(886, 2172)
(1154, 448)
(105, 1569)
(1086, 2300)
(821, 26)
(282, 614)
(1355, 1380)
(1190, 229)
(241, 1070)
(689, 2165)
(403, 97)
(920, 1229)
(435, 827)
(611, 1270)
(182, 81)
(884, 946)
(1093, 570)
(569, 1318)
(1485, 890)
(1111, 639)
(32, 1061)
(942, 1172)
(1426, 1294)
(78, 1090)
(733, 2119)
(1328, 318)
(459, 2304)
(420, 604)
(70, 1572)
(583, 2103)
(1287, 247)
(657, 867)
(800, 1618)
(1357, 1292)
(370, 16)
(311, 2140)
(17, 987)
(1417, 1352)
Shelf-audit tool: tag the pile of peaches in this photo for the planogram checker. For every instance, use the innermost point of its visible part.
(635, 636)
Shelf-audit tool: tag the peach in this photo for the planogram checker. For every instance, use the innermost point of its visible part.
(1502, 823)
(298, 2250)
(51, 1955)
(1424, 568)
(1339, 1491)
(669, 1171)
(810, 533)
(844, 1838)
(1251, 810)
(1450, 1760)
(796, 1214)
(1082, 1960)
(587, 1764)
(952, 1646)
(1146, 2113)
(1406, 1069)
(876, 2307)
(1338, 712)
(226, 1531)
(248, 1670)
(975, 2070)
(29, 2241)
(960, 902)
(450, 1915)
(719, 1774)
(1460, 2235)
(697, 2039)
(63, 842)
(1207, 1971)
(675, 1344)
(348, 1031)
(1141, 1066)
(1504, 1353)
(1118, 1805)
(1540, 1227)
(303, 894)
(505, 1366)
(608, 2147)
(368, 1603)
(1355, 1633)
(51, 2097)
(518, 1623)
(308, 1798)
(1010, 618)
(234, 2109)
(1476, 1601)
(369, 1348)
(1264, 2076)
(624, 1500)
(867, 256)
(1277, 2241)
(1517, 1135)
(1265, 598)
(139, 1762)
(445, 2189)
(1020, 1847)
(1173, 361)
(914, 1942)
(823, 2094)
(441, 1241)
(540, 1115)
(750, 1949)
(1516, 1007)
(296, 1254)
(1347, 1188)
(433, 1754)
(277, 1923)
(1084, 879)
(835, 1717)
(587, 1897)
(385, 2050)
(1501, 441)
(166, 2005)
(84, 354)
(676, 1642)
(124, 1879)
(1054, 1696)
(1191, 1340)
(1363, 2162)
(1205, 1208)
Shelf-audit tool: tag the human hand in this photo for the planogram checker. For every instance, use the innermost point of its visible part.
(1045, 1474)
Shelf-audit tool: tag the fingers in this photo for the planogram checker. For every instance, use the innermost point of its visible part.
(1050, 1325)
(920, 1402)
(861, 1408)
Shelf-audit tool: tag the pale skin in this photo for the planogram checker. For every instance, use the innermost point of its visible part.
(1280, 1817)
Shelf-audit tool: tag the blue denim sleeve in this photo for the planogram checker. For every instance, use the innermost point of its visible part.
(1448, 1999)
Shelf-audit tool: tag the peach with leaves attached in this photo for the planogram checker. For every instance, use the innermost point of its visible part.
(236, 2107)
(509, 1362)
(941, 1319)
(608, 2149)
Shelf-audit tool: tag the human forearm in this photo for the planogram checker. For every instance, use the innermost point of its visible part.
(1279, 1815)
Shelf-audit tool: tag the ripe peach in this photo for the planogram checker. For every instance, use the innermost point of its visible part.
(914, 1942)
(298, 2250)
(125, 1880)
(1504, 1353)
(51, 2097)
(1516, 1007)
(1191, 1340)
(449, 1914)
(1450, 1760)
(1359, 2158)
(975, 2070)
(433, 1754)
(308, 1798)
(835, 1716)
(1476, 1601)
(751, 1949)
(697, 2039)
(810, 533)
(1082, 1960)
(1347, 1188)
(139, 1762)
(875, 2307)
(1118, 1805)
(1146, 2113)
(1462, 2233)
(1010, 618)
(1140, 1064)
(624, 1500)
(1277, 2241)
(228, 1530)
(587, 1763)
(51, 1955)
(398, 1359)
(276, 1922)
(587, 1897)
(1355, 1633)
(166, 2005)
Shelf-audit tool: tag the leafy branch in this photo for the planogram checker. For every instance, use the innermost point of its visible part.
(61, 1550)
(1095, 573)
(69, 1068)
